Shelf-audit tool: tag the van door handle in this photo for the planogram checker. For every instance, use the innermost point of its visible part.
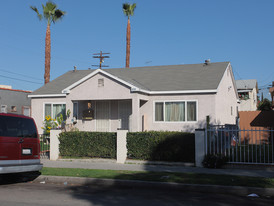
(21, 140)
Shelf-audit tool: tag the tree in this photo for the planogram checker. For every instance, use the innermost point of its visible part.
(264, 105)
(50, 14)
(128, 10)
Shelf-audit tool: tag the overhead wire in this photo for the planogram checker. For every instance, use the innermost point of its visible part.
(20, 79)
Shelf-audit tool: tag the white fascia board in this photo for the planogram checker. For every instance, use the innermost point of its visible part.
(67, 90)
(47, 95)
(180, 92)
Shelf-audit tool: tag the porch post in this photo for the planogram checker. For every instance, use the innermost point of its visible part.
(199, 147)
(54, 144)
(135, 117)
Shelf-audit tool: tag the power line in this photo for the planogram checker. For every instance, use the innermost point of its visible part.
(20, 79)
(31, 77)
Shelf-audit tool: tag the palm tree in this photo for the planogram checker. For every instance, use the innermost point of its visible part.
(50, 14)
(128, 10)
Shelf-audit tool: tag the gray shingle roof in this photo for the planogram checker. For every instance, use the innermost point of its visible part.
(246, 84)
(155, 78)
(57, 85)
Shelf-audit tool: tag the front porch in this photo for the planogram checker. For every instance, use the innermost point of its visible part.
(107, 115)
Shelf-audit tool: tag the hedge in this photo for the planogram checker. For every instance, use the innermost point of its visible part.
(161, 146)
(88, 144)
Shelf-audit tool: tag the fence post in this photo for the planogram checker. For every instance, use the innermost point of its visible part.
(199, 146)
(121, 146)
(54, 144)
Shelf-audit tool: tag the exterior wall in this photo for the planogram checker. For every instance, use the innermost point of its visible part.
(37, 109)
(226, 100)
(251, 103)
(205, 105)
(112, 91)
(19, 99)
(256, 120)
(89, 90)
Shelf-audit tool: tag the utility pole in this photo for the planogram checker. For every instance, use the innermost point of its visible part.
(101, 57)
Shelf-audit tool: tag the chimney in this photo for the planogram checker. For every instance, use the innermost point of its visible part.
(74, 69)
(207, 61)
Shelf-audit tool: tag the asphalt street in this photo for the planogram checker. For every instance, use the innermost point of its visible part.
(38, 194)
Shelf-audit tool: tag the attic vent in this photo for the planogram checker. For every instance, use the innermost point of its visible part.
(207, 61)
(100, 82)
(74, 68)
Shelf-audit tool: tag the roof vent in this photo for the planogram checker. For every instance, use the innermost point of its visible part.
(74, 68)
(207, 61)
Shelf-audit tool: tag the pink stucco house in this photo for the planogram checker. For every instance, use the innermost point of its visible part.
(169, 98)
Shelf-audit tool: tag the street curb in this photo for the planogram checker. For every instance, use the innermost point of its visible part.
(105, 183)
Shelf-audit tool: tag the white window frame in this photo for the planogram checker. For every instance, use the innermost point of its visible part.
(4, 108)
(26, 107)
(174, 122)
(51, 103)
(77, 112)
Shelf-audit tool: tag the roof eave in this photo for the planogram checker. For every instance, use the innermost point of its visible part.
(207, 91)
(46, 95)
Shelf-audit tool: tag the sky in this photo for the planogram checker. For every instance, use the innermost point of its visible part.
(162, 33)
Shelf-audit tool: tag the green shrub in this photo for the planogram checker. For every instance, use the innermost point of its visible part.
(88, 144)
(214, 161)
(161, 146)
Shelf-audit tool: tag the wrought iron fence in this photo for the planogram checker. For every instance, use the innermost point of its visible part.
(44, 146)
(252, 146)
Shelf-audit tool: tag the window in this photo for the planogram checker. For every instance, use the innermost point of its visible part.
(100, 82)
(177, 111)
(26, 111)
(55, 110)
(4, 108)
(13, 109)
(17, 127)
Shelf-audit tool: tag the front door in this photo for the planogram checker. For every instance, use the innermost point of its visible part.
(102, 116)
(124, 114)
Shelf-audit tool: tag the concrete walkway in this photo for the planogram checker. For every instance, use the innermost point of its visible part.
(106, 164)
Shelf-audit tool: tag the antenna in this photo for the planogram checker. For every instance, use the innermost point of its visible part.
(101, 57)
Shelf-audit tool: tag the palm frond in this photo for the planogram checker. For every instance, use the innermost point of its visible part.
(58, 15)
(37, 12)
(128, 9)
(50, 12)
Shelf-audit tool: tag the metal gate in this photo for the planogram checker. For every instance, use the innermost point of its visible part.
(44, 146)
(254, 146)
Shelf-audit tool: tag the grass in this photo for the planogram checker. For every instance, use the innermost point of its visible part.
(186, 178)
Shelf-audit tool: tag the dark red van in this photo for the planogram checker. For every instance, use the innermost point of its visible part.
(19, 144)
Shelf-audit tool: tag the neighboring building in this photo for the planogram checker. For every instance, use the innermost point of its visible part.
(247, 91)
(14, 101)
(271, 91)
(174, 98)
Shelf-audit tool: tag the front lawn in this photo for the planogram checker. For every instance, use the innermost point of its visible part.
(186, 178)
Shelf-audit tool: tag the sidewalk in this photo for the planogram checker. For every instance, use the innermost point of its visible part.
(107, 164)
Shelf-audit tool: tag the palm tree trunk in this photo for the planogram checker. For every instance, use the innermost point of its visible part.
(47, 55)
(128, 44)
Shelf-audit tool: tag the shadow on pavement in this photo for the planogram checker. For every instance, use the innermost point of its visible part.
(18, 177)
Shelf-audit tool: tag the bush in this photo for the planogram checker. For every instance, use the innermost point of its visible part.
(214, 161)
(161, 146)
(88, 144)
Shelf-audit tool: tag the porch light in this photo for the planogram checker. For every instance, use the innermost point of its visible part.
(88, 114)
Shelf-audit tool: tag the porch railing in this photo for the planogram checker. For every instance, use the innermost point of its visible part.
(252, 146)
